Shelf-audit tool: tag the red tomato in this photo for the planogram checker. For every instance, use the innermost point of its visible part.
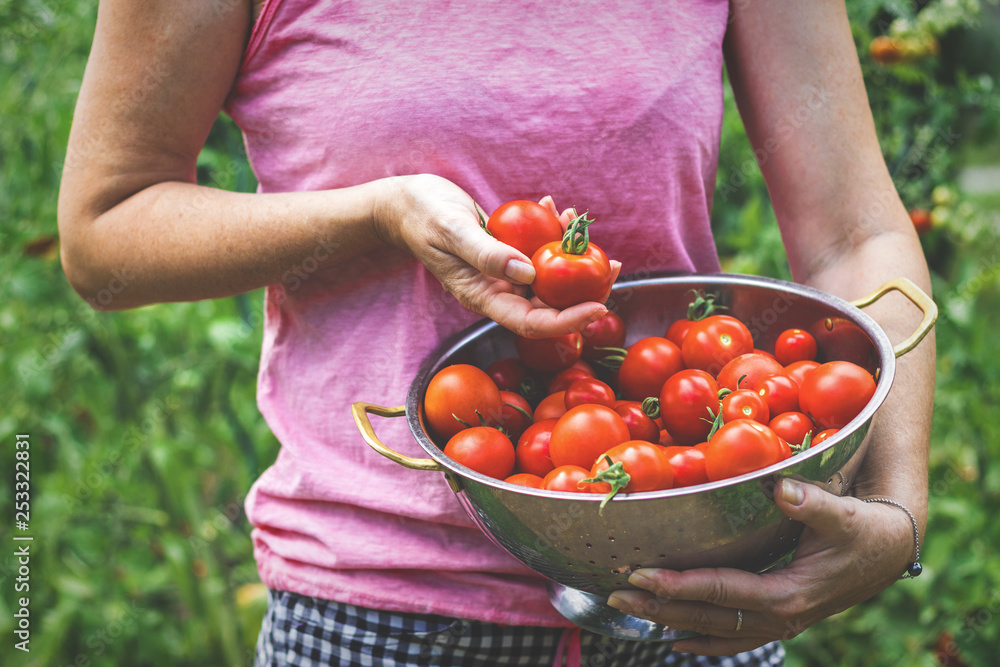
(688, 464)
(666, 440)
(780, 392)
(552, 406)
(515, 416)
(549, 354)
(609, 331)
(840, 339)
(677, 331)
(640, 426)
(483, 449)
(460, 391)
(584, 433)
(835, 393)
(525, 225)
(764, 352)
(714, 341)
(794, 345)
(526, 479)
(792, 426)
(797, 370)
(571, 271)
(508, 374)
(567, 478)
(823, 435)
(647, 366)
(564, 378)
(753, 365)
(589, 391)
(740, 447)
(685, 401)
(745, 404)
(647, 468)
(921, 219)
(532, 452)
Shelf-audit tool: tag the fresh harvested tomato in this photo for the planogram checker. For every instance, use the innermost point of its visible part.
(703, 306)
(792, 426)
(515, 415)
(483, 449)
(589, 391)
(794, 345)
(508, 373)
(748, 370)
(552, 406)
(640, 426)
(549, 354)
(740, 447)
(780, 392)
(532, 451)
(584, 433)
(526, 479)
(835, 393)
(745, 404)
(644, 467)
(798, 369)
(677, 331)
(567, 478)
(461, 391)
(564, 378)
(525, 225)
(764, 352)
(685, 402)
(921, 219)
(840, 339)
(666, 440)
(573, 270)
(823, 435)
(609, 331)
(715, 341)
(688, 464)
(647, 365)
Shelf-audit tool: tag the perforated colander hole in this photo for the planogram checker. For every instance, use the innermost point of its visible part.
(611, 538)
(663, 555)
(569, 563)
(589, 545)
(592, 562)
(614, 558)
(636, 549)
(565, 548)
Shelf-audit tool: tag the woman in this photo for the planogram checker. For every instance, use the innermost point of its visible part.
(371, 131)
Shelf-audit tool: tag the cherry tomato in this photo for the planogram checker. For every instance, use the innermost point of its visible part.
(508, 374)
(647, 366)
(780, 392)
(609, 331)
(549, 354)
(589, 391)
(835, 393)
(532, 451)
(666, 440)
(753, 366)
(552, 406)
(745, 404)
(584, 433)
(677, 331)
(685, 401)
(483, 449)
(564, 378)
(794, 345)
(823, 435)
(764, 352)
(921, 219)
(640, 426)
(740, 447)
(571, 271)
(464, 391)
(714, 341)
(688, 464)
(567, 478)
(792, 426)
(840, 339)
(647, 466)
(797, 370)
(525, 225)
(526, 479)
(515, 415)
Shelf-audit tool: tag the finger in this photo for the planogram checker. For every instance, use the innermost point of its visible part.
(831, 516)
(491, 257)
(550, 204)
(718, 586)
(718, 646)
(616, 268)
(705, 619)
(566, 216)
(525, 319)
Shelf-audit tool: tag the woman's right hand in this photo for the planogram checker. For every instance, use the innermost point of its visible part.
(437, 222)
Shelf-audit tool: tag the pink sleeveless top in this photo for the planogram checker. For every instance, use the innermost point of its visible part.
(611, 107)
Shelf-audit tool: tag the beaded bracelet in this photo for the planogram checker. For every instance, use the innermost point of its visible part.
(913, 569)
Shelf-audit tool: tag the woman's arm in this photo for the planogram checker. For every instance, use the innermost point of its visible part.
(130, 208)
(799, 88)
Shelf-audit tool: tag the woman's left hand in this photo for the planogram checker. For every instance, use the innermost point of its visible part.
(849, 551)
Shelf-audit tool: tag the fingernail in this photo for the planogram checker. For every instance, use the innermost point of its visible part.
(619, 603)
(640, 580)
(519, 272)
(792, 492)
(597, 314)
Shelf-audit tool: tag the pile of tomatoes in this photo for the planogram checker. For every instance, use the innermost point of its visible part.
(581, 413)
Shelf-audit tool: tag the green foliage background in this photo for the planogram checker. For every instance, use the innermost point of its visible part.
(145, 436)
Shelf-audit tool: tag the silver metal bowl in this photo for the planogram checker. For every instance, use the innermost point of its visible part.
(587, 554)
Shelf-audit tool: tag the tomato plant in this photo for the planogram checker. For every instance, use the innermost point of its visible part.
(835, 393)
(794, 345)
(461, 391)
(647, 365)
(549, 354)
(483, 449)
(573, 270)
(686, 400)
(532, 451)
(711, 343)
(740, 447)
(525, 225)
(584, 433)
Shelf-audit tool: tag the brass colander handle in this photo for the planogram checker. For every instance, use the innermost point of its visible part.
(918, 298)
(361, 410)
